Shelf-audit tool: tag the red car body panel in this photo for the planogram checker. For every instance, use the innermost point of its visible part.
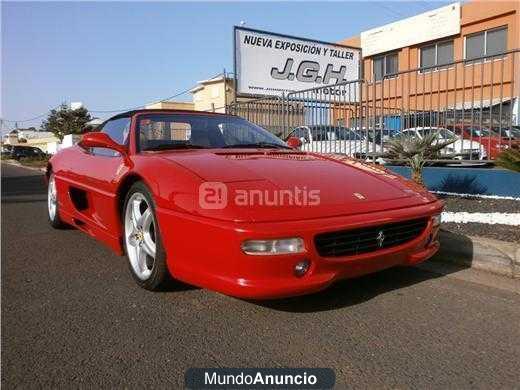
(203, 247)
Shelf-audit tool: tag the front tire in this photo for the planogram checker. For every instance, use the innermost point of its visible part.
(142, 239)
(53, 204)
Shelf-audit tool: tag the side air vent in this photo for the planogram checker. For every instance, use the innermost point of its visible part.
(78, 198)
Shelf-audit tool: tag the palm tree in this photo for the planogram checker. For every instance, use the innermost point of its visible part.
(416, 151)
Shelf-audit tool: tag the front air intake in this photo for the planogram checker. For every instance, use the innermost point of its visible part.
(368, 239)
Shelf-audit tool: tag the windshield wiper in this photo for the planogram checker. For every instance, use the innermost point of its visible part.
(175, 146)
(262, 145)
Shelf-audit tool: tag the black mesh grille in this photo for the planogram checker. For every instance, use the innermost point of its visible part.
(364, 240)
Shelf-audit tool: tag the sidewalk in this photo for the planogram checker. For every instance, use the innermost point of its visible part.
(498, 257)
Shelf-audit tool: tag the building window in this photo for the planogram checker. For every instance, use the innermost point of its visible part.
(438, 55)
(385, 66)
(486, 43)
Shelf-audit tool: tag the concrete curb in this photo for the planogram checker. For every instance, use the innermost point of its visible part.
(498, 257)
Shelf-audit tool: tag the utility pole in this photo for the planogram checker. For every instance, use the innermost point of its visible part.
(225, 91)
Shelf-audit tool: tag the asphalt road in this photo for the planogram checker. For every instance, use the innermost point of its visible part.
(73, 317)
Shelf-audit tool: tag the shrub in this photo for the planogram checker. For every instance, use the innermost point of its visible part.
(415, 151)
(37, 161)
(510, 159)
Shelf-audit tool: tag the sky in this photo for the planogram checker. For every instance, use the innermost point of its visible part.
(117, 55)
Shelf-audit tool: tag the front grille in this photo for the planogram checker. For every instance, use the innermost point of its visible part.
(369, 239)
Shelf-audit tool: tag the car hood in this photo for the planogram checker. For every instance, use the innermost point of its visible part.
(285, 185)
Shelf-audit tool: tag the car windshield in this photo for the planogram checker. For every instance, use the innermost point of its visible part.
(333, 133)
(514, 132)
(481, 132)
(376, 135)
(442, 133)
(362, 134)
(201, 131)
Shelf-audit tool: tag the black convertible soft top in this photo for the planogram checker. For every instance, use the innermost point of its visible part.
(164, 110)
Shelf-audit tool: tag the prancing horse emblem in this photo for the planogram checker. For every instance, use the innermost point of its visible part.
(380, 238)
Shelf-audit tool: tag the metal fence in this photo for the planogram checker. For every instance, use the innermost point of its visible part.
(472, 101)
(276, 114)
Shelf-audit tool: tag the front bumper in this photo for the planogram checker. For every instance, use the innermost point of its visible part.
(206, 252)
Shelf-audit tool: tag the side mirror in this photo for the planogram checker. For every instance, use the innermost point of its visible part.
(101, 140)
(294, 142)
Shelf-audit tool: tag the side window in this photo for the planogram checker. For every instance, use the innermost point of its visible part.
(428, 131)
(412, 133)
(304, 133)
(319, 134)
(301, 133)
(119, 131)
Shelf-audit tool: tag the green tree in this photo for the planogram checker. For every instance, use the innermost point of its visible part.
(416, 151)
(63, 121)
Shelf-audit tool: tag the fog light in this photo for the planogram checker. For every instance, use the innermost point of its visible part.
(436, 220)
(301, 268)
(273, 247)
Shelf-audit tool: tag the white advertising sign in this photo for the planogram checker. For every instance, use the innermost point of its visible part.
(269, 64)
(438, 23)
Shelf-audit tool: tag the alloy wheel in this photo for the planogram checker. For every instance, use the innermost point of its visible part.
(140, 235)
(52, 198)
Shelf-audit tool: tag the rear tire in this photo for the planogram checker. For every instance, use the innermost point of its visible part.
(53, 207)
(142, 239)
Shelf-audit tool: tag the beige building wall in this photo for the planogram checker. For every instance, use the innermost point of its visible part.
(34, 141)
(11, 139)
(213, 95)
(171, 106)
(40, 143)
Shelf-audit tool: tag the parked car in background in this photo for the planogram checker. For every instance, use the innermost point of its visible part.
(461, 149)
(333, 139)
(18, 152)
(512, 133)
(6, 149)
(492, 142)
(379, 136)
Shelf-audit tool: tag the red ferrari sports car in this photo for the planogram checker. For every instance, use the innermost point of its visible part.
(218, 202)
